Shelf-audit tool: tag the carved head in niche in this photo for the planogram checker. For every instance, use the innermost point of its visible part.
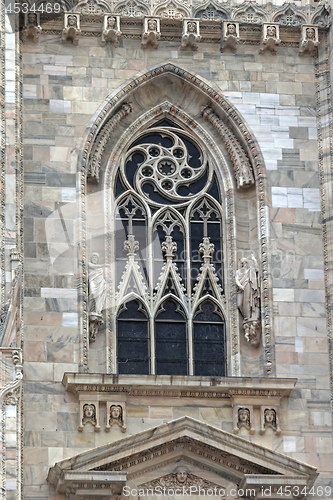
(181, 475)
(270, 417)
(89, 412)
(271, 31)
(152, 24)
(244, 416)
(191, 27)
(310, 33)
(95, 258)
(231, 29)
(72, 21)
(32, 19)
(116, 412)
(112, 21)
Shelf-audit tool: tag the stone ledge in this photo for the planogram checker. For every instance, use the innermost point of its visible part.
(178, 386)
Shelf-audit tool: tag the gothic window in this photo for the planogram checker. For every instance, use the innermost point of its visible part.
(132, 336)
(168, 243)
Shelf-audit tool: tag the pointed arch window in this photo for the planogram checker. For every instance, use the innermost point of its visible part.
(169, 221)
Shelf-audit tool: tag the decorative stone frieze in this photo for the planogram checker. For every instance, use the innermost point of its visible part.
(126, 386)
(71, 31)
(32, 28)
(111, 30)
(309, 40)
(151, 33)
(230, 37)
(270, 37)
(191, 34)
(180, 477)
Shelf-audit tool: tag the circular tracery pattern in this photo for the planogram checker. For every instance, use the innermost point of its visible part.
(165, 166)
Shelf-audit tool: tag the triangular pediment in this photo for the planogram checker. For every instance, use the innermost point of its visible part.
(196, 445)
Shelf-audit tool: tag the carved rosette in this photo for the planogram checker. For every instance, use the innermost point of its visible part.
(71, 31)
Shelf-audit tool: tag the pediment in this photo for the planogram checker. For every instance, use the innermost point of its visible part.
(152, 456)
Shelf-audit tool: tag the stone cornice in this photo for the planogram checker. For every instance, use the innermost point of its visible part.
(174, 387)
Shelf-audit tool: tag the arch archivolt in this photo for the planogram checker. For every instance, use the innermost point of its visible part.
(216, 125)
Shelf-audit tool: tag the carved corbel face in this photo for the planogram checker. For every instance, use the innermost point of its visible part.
(231, 29)
(72, 21)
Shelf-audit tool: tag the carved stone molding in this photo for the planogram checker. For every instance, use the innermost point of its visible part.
(103, 138)
(250, 13)
(132, 8)
(181, 477)
(179, 386)
(242, 167)
(172, 9)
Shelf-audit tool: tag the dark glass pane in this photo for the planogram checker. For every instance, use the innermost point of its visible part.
(195, 187)
(163, 123)
(209, 342)
(170, 341)
(166, 142)
(119, 188)
(132, 339)
(149, 190)
(214, 190)
(132, 165)
(194, 156)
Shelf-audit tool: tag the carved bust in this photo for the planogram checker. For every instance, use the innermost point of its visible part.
(231, 29)
(244, 418)
(271, 31)
(89, 414)
(310, 33)
(72, 21)
(152, 25)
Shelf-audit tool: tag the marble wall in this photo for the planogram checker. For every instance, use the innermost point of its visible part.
(63, 86)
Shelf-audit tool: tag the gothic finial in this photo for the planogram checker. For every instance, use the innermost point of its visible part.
(207, 249)
(131, 245)
(169, 247)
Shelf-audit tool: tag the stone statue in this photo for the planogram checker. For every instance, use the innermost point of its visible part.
(97, 285)
(89, 416)
(248, 296)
